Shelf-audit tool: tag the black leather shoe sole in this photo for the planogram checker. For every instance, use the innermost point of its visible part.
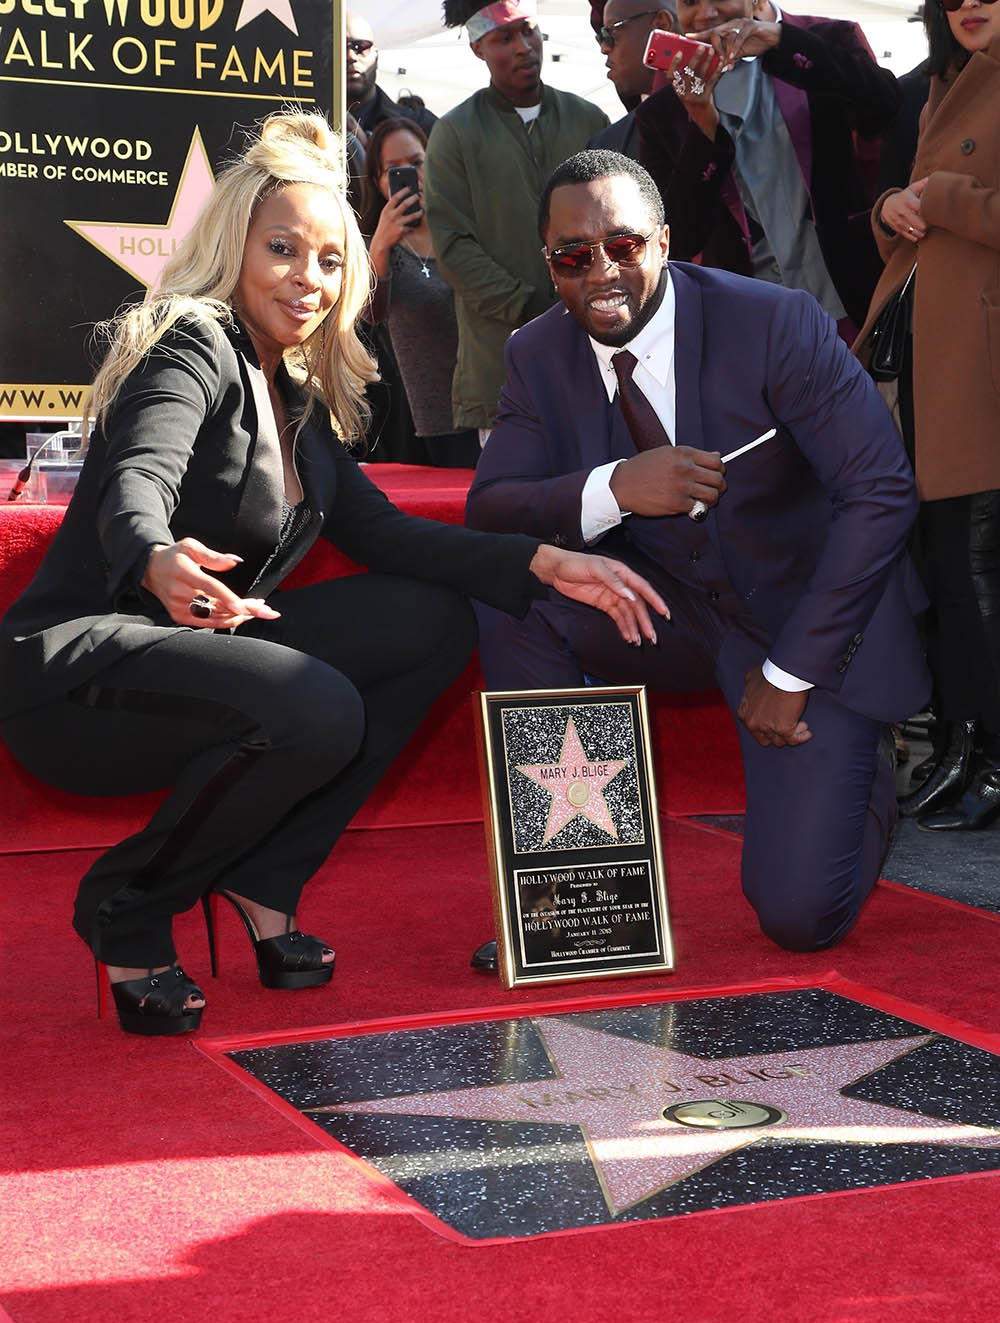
(484, 958)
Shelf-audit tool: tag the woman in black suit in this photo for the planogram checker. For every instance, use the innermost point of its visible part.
(154, 646)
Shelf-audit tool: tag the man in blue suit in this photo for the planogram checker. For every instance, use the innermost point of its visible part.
(793, 593)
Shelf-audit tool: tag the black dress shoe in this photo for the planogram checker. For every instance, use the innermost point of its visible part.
(485, 958)
(949, 778)
(978, 807)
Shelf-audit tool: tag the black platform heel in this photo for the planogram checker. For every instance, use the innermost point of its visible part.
(153, 1006)
(291, 960)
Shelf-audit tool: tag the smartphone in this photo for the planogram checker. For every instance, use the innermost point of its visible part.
(402, 177)
(663, 46)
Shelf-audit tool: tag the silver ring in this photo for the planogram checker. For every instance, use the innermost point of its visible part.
(678, 82)
(200, 607)
(697, 86)
(911, 229)
(698, 512)
(688, 71)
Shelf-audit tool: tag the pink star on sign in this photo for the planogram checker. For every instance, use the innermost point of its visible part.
(281, 9)
(576, 784)
(142, 250)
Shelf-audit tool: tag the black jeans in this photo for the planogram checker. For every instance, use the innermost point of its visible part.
(270, 739)
(960, 562)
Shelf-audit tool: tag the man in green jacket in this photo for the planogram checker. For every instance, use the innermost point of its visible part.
(486, 163)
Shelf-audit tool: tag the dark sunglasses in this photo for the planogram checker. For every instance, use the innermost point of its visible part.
(359, 46)
(606, 35)
(952, 6)
(621, 250)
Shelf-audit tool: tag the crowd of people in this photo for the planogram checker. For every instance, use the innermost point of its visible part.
(590, 315)
(783, 152)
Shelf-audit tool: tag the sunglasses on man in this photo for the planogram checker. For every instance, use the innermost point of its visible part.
(359, 46)
(573, 259)
(606, 35)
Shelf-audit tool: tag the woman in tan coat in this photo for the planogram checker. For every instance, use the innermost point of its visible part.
(947, 222)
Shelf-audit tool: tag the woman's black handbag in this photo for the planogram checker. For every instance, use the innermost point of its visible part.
(888, 336)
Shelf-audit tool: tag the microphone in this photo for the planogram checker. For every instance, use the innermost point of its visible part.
(24, 477)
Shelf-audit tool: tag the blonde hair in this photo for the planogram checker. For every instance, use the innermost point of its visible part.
(293, 147)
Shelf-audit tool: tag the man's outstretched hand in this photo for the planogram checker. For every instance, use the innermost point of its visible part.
(773, 716)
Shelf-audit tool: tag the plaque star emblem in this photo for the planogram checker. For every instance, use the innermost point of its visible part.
(281, 9)
(621, 1094)
(142, 250)
(576, 785)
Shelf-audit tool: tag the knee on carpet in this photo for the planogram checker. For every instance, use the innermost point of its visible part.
(801, 924)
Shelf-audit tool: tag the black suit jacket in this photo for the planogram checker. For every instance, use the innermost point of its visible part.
(383, 107)
(190, 450)
(622, 136)
(832, 94)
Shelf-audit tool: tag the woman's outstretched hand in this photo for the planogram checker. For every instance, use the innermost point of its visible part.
(605, 584)
(178, 575)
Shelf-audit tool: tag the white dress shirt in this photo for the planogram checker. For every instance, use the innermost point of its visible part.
(653, 348)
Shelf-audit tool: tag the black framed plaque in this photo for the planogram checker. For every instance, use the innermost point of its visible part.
(579, 889)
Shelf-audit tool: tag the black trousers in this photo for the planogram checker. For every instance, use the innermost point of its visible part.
(819, 815)
(960, 563)
(270, 739)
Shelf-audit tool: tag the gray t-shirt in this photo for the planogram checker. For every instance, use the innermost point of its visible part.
(418, 307)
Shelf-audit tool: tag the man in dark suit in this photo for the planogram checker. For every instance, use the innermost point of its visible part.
(622, 38)
(793, 594)
(767, 167)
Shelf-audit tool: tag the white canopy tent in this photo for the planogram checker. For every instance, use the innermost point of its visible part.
(418, 54)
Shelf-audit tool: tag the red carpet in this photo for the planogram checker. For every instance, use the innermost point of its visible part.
(144, 1183)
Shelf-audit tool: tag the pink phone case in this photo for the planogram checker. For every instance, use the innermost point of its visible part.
(663, 46)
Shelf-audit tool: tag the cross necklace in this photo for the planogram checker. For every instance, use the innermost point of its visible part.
(425, 270)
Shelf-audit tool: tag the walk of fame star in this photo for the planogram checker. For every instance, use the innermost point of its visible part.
(576, 785)
(616, 1090)
(142, 250)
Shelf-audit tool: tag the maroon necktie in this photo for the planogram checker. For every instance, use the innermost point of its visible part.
(640, 416)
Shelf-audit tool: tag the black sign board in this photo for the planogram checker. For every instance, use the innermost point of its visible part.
(116, 116)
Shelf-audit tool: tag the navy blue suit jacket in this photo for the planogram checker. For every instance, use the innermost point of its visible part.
(813, 526)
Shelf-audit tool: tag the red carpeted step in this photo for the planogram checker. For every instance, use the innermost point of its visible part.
(694, 736)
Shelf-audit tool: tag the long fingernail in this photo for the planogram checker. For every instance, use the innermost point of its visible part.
(652, 637)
